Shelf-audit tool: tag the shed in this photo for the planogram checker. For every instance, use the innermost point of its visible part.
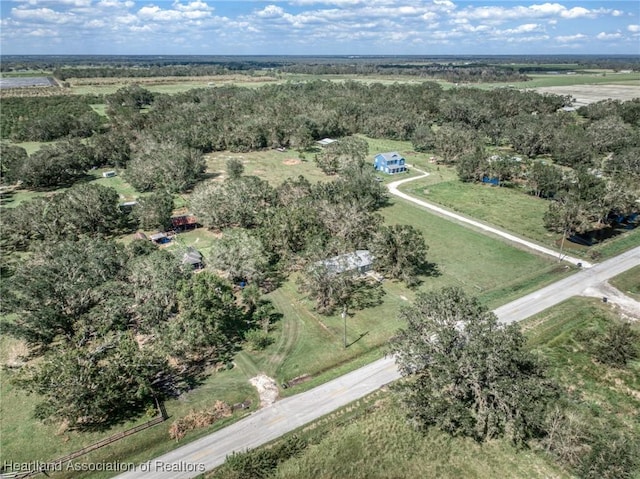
(193, 257)
(360, 260)
(184, 222)
(109, 174)
(326, 141)
(159, 238)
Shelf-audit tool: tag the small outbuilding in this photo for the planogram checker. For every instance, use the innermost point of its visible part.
(390, 163)
(184, 222)
(193, 257)
(159, 238)
(326, 141)
(109, 174)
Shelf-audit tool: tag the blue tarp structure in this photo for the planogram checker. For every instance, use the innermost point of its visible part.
(493, 180)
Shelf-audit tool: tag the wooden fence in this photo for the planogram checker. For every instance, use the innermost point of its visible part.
(51, 465)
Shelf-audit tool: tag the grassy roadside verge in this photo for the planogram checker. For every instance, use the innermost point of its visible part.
(370, 437)
(511, 210)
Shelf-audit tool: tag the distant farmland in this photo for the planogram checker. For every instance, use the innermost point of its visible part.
(24, 82)
(585, 94)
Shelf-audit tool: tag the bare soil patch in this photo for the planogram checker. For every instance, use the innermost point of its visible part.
(267, 389)
(291, 162)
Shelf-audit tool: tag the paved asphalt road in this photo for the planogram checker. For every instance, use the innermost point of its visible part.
(291, 413)
(393, 189)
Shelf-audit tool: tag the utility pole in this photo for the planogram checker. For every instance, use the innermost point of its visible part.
(344, 318)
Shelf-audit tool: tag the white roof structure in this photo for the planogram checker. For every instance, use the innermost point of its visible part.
(326, 141)
(359, 259)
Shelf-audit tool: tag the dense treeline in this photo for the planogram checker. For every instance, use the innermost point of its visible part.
(448, 72)
(454, 73)
(83, 65)
(49, 118)
(132, 322)
(64, 73)
(160, 139)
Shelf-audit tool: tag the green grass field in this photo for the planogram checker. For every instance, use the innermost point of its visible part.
(305, 343)
(628, 282)
(371, 439)
(607, 397)
(510, 209)
(593, 78)
(376, 442)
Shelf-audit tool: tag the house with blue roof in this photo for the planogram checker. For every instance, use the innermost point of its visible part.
(390, 163)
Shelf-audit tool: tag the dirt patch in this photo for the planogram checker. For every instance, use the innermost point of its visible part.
(16, 358)
(628, 307)
(267, 389)
(291, 162)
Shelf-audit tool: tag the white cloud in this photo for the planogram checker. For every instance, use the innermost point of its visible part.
(608, 36)
(633, 28)
(192, 6)
(570, 38)
(526, 28)
(41, 14)
(115, 4)
(577, 12)
(270, 11)
(499, 14)
(95, 23)
(42, 32)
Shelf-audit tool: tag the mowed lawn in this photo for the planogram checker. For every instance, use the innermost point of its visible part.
(510, 209)
(305, 343)
(486, 267)
(628, 282)
(371, 438)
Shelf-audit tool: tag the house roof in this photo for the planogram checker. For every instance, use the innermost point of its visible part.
(349, 261)
(326, 141)
(140, 235)
(157, 236)
(391, 155)
(183, 220)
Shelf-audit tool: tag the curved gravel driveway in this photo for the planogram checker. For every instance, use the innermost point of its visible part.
(393, 189)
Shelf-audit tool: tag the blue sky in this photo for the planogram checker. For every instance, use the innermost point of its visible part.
(319, 27)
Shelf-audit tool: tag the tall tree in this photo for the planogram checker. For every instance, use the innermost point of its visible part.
(543, 179)
(58, 286)
(11, 160)
(400, 252)
(240, 256)
(235, 168)
(56, 165)
(333, 291)
(154, 210)
(210, 322)
(94, 386)
(337, 156)
(164, 165)
(240, 202)
(467, 374)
